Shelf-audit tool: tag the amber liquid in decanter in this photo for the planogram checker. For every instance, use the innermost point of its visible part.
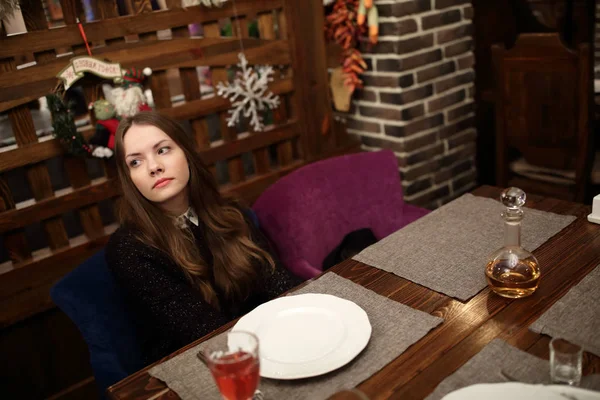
(512, 271)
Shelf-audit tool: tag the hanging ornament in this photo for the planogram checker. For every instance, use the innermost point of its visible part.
(103, 140)
(248, 94)
(128, 99)
(8, 8)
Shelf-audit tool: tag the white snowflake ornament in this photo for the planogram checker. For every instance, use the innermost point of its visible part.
(248, 94)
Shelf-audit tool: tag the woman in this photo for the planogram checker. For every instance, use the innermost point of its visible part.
(187, 259)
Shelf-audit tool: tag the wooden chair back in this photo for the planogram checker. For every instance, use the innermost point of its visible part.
(543, 97)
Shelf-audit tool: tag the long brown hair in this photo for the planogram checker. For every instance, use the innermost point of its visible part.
(226, 231)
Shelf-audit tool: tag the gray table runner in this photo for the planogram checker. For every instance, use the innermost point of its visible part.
(576, 316)
(447, 249)
(394, 328)
(500, 362)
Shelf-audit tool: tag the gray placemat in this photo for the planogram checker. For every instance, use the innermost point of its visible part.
(576, 316)
(447, 249)
(500, 362)
(495, 363)
(394, 328)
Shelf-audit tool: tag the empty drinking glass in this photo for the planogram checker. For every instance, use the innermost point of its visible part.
(234, 363)
(565, 362)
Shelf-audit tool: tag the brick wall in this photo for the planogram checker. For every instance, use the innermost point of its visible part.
(418, 97)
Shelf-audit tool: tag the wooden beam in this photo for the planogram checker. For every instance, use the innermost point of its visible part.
(251, 142)
(20, 86)
(34, 152)
(252, 187)
(46, 208)
(114, 28)
(312, 100)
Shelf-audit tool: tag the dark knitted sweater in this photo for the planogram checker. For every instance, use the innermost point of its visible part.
(167, 310)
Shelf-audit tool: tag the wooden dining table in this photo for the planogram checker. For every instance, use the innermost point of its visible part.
(468, 326)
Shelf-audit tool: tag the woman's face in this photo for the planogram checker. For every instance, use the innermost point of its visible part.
(158, 167)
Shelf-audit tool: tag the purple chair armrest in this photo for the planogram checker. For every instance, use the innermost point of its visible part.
(412, 213)
(302, 269)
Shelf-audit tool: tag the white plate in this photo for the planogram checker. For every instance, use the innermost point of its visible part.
(306, 335)
(521, 391)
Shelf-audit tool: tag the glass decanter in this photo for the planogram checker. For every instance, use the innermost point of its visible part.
(512, 271)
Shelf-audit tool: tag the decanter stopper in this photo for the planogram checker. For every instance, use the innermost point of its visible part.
(513, 198)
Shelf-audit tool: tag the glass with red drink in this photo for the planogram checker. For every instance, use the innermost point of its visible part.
(233, 361)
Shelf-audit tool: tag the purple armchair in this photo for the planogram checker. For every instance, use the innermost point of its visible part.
(307, 213)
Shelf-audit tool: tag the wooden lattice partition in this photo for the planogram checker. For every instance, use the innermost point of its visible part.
(55, 209)
(66, 200)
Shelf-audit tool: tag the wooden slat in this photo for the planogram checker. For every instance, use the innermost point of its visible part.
(262, 163)
(282, 25)
(72, 9)
(20, 86)
(140, 6)
(240, 27)
(159, 84)
(14, 242)
(117, 28)
(34, 152)
(285, 153)
(201, 133)
(190, 83)
(89, 216)
(235, 165)
(22, 125)
(195, 51)
(107, 9)
(82, 196)
(251, 142)
(191, 91)
(266, 28)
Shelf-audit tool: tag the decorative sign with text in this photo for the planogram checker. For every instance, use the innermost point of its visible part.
(78, 66)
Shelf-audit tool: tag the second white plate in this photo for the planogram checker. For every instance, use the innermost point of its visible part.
(521, 391)
(306, 335)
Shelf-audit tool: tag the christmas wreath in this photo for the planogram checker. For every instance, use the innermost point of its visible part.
(127, 99)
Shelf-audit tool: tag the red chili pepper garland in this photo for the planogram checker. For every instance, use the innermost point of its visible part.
(341, 27)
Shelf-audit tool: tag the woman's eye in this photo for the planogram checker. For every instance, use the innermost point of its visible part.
(134, 163)
(163, 150)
